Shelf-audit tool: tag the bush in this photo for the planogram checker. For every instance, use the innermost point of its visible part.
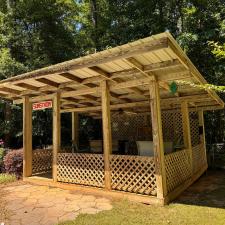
(7, 178)
(2, 153)
(13, 162)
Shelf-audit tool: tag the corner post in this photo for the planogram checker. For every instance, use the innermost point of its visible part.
(107, 136)
(56, 133)
(75, 127)
(202, 136)
(187, 131)
(158, 139)
(27, 137)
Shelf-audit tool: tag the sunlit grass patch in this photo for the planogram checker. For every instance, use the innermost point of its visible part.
(7, 178)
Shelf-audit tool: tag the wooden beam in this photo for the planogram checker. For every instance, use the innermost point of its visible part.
(10, 90)
(56, 133)
(187, 131)
(27, 86)
(36, 99)
(80, 92)
(124, 73)
(107, 135)
(158, 140)
(148, 74)
(131, 89)
(134, 63)
(130, 84)
(48, 82)
(161, 65)
(71, 77)
(27, 137)
(116, 106)
(100, 71)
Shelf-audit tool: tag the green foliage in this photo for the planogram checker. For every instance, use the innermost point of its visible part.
(37, 33)
(7, 178)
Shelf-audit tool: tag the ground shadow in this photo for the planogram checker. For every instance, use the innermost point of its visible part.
(208, 191)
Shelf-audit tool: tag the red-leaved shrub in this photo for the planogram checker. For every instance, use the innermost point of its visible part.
(13, 162)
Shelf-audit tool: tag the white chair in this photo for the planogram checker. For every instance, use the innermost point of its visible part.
(145, 148)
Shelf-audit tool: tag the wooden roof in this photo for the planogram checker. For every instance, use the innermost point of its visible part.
(128, 68)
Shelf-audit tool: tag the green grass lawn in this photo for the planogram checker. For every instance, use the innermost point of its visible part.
(127, 213)
(7, 178)
(202, 204)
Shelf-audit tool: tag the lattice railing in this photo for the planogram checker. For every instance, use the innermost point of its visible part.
(80, 168)
(194, 126)
(133, 174)
(41, 161)
(177, 169)
(199, 157)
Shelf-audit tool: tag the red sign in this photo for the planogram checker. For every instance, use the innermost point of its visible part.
(42, 105)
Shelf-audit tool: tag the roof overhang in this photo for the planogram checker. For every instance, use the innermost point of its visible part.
(129, 69)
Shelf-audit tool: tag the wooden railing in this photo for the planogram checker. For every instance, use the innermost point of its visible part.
(133, 174)
(41, 161)
(199, 157)
(178, 169)
(81, 168)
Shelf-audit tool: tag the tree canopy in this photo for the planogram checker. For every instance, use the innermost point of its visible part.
(37, 33)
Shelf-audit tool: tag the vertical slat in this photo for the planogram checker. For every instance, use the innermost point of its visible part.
(75, 125)
(56, 133)
(27, 137)
(202, 136)
(158, 139)
(107, 136)
(187, 131)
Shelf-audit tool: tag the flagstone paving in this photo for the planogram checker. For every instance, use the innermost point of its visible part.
(43, 205)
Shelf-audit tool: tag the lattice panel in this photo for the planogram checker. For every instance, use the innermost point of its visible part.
(41, 161)
(133, 174)
(125, 127)
(177, 169)
(199, 159)
(78, 168)
(194, 126)
(172, 127)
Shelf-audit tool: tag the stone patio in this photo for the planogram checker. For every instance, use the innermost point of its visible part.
(43, 205)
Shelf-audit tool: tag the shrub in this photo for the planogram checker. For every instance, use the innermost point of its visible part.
(13, 162)
(7, 178)
(2, 153)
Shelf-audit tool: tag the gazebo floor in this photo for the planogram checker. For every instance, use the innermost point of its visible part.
(117, 195)
(45, 176)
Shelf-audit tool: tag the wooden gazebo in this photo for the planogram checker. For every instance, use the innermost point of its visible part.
(137, 77)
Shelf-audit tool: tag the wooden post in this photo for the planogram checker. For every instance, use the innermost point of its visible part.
(56, 133)
(158, 139)
(107, 136)
(187, 131)
(75, 126)
(27, 137)
(202, 136)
